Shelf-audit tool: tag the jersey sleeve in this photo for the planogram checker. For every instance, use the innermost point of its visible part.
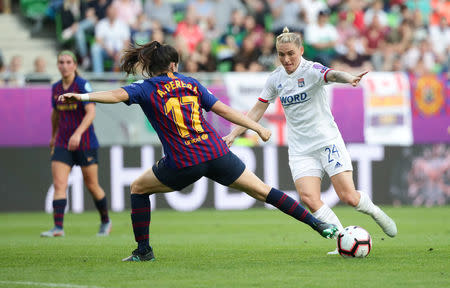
(269, 93)
(85, 87)
(319, 73)
(207, 99)
(136, 92)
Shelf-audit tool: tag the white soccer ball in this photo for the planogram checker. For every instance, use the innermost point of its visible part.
(354, 241)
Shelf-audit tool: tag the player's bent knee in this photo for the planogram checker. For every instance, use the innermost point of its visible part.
(92, 186)
(60, 191)
(137, 188)
(60, 185)
(349, 197)
(134, 187)
(311, 202)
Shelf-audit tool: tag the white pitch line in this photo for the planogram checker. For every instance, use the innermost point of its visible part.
(42, 284)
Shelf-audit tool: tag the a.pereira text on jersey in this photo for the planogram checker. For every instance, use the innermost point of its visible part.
(173, 104)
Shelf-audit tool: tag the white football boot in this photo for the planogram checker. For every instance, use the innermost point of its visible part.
(385, 222)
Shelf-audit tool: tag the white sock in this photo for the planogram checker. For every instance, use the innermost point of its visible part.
(366, 205)
(325, 214)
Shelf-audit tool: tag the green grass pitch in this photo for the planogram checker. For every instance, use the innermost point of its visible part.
(207, 248)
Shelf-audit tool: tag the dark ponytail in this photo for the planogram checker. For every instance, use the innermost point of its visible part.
(153, 58)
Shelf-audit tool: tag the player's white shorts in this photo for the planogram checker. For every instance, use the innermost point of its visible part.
(332, 159)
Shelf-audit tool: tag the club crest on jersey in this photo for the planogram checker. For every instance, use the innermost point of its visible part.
(301, 82)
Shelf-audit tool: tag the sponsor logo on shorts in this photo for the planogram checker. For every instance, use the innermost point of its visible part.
(337, 165)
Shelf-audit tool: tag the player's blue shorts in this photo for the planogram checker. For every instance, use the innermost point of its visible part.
(224, 170)
(78, 157)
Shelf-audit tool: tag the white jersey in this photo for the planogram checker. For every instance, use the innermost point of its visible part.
(302, 93)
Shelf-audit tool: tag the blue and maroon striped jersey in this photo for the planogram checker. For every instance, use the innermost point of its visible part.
(173, 104)
(71, 115)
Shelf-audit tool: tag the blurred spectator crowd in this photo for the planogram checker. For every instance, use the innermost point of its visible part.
(429, 177)
(239, 35)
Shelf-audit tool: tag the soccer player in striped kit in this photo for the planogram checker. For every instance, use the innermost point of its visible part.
(173, 104)
(315, 143)
(73, 142)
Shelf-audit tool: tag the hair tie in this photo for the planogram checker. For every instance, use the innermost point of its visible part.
(69, 53)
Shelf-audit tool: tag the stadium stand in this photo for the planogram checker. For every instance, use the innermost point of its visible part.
(16, 40)
(382, 35)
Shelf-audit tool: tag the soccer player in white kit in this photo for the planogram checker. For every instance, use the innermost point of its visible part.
(315, 143)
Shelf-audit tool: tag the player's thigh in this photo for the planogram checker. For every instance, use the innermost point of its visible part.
(307, 172)
(177, 178)
(229, 170)
(148, 183)
(308, 165)
(249, 183)
(84, 158)
(345, 187)
(63, 155)
(226, 169)
(60, 174)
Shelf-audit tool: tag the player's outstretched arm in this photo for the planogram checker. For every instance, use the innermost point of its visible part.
(238, 118)
(344, 77)
(111, 96)
(254, 114)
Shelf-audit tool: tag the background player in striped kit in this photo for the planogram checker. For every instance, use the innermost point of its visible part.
(73, 142)
(173, 104)
(315, 143)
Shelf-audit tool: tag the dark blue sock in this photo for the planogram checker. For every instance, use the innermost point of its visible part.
(102, 207)
(291, 207)
(58, 212)
(140, 217)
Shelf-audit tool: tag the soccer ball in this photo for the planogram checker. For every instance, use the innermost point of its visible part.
(354, 241)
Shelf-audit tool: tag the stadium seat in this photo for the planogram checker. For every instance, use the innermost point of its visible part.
(268, 21)
(58, 29)
(34, 9)
(178, 16)
(225, 66)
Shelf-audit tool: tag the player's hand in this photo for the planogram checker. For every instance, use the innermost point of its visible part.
(74, 142)
(358, 78)
(264, 133)
(229, 139)
(69, 98)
